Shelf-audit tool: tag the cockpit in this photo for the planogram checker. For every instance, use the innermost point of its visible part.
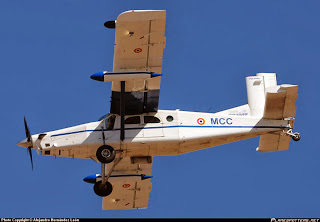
(109, 120)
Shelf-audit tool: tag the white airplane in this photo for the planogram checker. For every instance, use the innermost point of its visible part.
(126, 140)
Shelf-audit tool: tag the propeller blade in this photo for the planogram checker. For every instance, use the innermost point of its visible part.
(28, 134)
(30, 153)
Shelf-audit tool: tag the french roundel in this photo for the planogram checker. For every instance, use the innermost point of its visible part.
(200, 121)
(126, 185)
(138, 50)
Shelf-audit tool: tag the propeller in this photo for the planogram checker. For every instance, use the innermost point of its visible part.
(29, 143)
(29, 140)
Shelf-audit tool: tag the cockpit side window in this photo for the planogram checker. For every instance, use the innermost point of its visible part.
(132, 120)
(110, 122)
(151, 119)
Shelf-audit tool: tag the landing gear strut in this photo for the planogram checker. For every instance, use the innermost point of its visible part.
(294, 136)
(104, 187)
(106, 154)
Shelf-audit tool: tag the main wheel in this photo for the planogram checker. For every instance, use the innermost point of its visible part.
(296, 136)
(102, 190)
(106, 154)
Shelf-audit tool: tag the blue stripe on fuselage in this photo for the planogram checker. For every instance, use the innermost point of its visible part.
(158, 127)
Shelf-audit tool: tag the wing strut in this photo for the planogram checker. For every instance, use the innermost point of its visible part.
(122, 109)
(122, 135)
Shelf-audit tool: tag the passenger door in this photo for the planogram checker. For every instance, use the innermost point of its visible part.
(133, 127)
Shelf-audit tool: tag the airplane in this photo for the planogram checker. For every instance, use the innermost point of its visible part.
(125, 140)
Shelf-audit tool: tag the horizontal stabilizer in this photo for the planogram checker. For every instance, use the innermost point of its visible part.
(280, 102)
(273, 142)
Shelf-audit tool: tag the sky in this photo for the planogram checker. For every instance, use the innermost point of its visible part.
(49, 49)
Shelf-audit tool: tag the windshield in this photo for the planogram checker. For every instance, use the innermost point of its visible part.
(110, 120)
(104, 116)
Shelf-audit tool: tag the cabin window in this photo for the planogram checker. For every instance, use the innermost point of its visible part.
(169, 118)
(132, 120)
(110, 122)
(151, 119)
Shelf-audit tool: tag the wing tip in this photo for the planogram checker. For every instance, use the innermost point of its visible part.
(142, 15)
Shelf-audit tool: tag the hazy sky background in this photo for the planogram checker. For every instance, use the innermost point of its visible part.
(49, 49)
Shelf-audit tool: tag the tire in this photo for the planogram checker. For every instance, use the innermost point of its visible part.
(102, 191)
(106, 154)
(296, 136)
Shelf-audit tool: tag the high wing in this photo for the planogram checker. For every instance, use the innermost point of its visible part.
(138, 51)
(139, 45)
(129, 194)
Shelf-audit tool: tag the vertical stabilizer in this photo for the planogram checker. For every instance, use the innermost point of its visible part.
(270, 79)
(255, 92)
(256, 88)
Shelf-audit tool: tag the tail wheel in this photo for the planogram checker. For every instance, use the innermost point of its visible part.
(106, 154)
(102, 190)
(296, 136)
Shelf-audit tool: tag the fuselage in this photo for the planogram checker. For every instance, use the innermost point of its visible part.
(155, 134)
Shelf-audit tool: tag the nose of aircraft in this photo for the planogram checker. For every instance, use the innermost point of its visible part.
(25, 143)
